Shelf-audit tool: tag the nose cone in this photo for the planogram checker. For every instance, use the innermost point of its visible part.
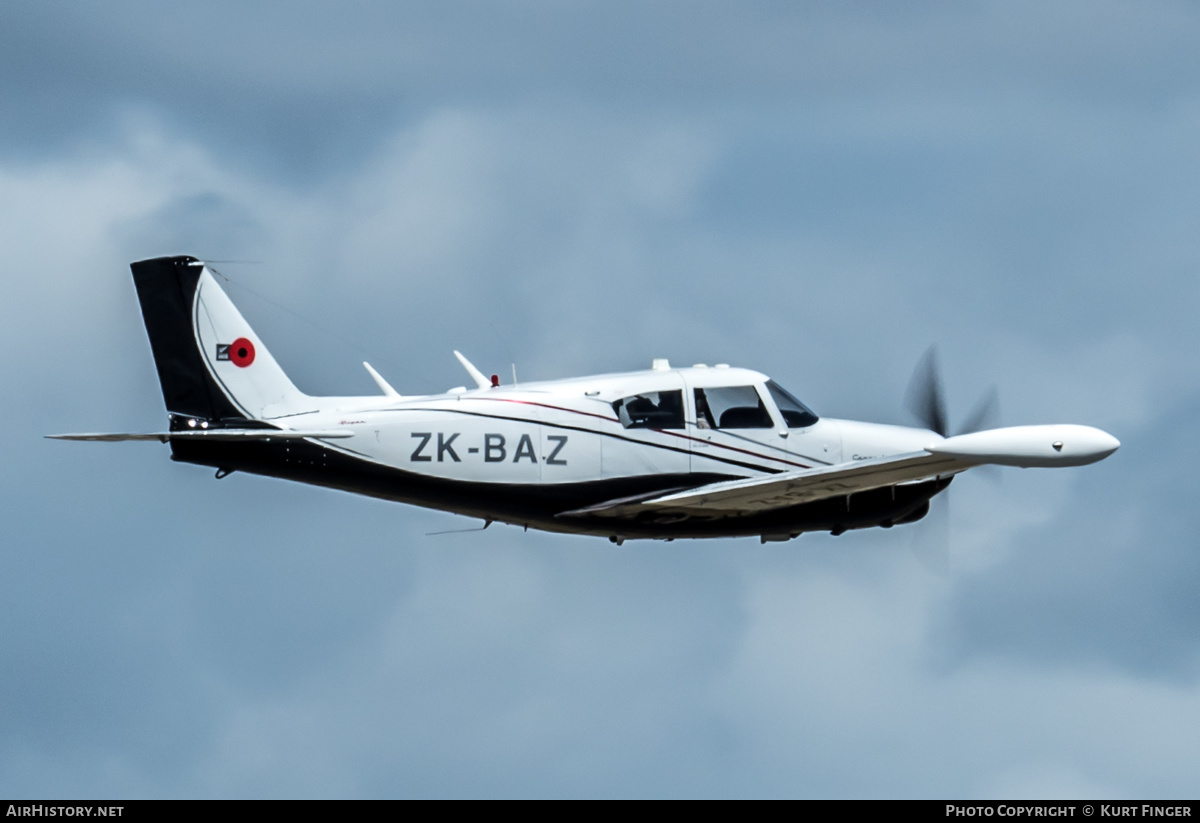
(1102, 443)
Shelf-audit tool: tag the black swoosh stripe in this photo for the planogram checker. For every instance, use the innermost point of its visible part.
(585, 430)
(706, 443)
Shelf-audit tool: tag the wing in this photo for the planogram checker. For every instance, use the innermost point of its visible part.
(207, 434)
(1026, 446)
(759, 494)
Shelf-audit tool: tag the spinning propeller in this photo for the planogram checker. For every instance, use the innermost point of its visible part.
(926, 400)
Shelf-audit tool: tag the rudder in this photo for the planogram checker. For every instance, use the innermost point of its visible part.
(211, 364)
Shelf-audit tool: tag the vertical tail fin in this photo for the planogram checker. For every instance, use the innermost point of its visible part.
(210, 362)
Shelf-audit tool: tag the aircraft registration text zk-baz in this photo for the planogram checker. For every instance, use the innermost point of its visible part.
(664, 453)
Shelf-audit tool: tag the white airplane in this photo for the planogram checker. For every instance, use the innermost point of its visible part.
(665, 453)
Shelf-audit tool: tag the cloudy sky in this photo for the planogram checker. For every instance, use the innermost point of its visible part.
(818, 191)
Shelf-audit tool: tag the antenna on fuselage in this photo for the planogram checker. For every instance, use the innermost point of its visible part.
(476, 375)
(383, 385)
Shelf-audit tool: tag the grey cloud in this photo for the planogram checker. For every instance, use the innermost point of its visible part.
(202, 221)
(304, 90)
(1109, 582)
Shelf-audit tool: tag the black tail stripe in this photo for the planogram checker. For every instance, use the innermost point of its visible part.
(166, 289)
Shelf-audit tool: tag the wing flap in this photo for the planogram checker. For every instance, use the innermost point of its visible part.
(759, 494)
(620, 506)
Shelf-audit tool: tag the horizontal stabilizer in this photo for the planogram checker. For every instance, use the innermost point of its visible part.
(208, 434)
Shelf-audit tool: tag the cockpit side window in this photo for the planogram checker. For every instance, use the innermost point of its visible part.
(651, 410)
(795, 413)
(733, 407)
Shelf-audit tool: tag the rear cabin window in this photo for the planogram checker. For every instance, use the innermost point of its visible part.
(795, 413)
(651, 410)
(734, 407)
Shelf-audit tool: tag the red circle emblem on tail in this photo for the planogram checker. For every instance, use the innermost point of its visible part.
(241, 352)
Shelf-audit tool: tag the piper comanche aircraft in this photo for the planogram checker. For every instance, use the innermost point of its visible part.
(665, 453)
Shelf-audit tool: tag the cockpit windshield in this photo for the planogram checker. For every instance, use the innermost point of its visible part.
(795, 413)
(731, 407)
